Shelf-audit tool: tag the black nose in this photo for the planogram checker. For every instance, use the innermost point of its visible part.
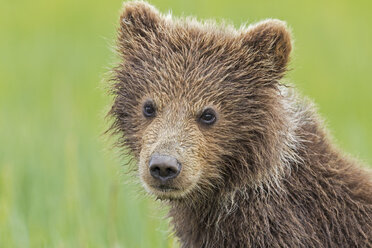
(164, 167)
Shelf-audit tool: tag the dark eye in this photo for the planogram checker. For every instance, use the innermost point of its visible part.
(208, 117)
(149, 109)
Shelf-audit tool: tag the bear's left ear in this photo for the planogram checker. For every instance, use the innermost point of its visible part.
(270, 40)
(138, 21)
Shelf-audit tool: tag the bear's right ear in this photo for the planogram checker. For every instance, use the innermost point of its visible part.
(138, 20)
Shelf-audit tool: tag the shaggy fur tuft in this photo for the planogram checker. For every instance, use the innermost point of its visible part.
(266, 173)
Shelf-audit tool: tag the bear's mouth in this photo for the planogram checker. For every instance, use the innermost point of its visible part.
(166, 192)
(164, 188)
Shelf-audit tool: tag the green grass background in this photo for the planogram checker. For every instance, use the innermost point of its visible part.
(60, 183)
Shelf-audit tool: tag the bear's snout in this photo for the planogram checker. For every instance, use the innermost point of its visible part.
(164, 167)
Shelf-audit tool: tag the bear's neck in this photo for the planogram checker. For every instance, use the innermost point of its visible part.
(234, 219)
(212, 222)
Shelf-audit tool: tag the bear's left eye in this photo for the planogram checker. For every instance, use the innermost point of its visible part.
(149, 109)
(208, 117)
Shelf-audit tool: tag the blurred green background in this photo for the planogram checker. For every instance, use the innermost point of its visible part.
(60, 183)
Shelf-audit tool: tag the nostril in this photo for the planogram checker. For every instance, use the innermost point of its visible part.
(164, 167)
(155, 170)
(170, 171)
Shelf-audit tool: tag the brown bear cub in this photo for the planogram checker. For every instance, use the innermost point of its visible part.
(239, 157)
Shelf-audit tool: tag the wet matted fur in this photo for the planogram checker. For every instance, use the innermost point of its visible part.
(265, 174)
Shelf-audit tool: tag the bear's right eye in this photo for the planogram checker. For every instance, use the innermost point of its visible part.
(149, 109)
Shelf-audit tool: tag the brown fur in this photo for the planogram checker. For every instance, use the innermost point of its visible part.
(265, 174)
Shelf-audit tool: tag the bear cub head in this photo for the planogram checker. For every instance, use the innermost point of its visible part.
(198, 105)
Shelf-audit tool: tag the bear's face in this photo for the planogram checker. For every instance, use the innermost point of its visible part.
(195, 104)
(178, 143)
